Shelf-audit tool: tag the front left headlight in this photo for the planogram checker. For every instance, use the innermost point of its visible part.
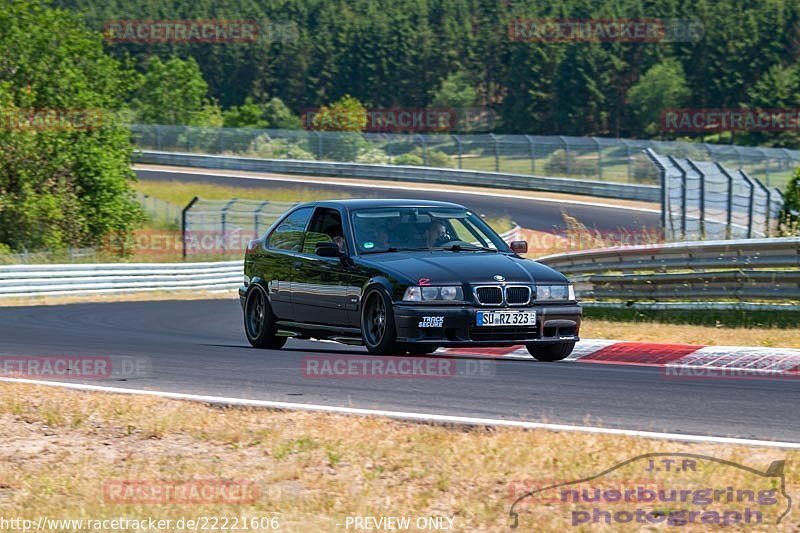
(429, 294)
(555, 292)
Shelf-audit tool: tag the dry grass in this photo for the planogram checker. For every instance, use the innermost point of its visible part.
(180, 193)
(420, 186)
(151, 296)
(58, 448)
(688, 334)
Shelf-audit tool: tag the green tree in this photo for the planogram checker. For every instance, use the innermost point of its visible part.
(455, 91)
(345, 119)
(789, 218)
(662, 87)
(274, 114)
(174, 92)
(65, 181)
(346, 114)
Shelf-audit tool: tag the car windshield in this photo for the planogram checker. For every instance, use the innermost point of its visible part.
(423, 228)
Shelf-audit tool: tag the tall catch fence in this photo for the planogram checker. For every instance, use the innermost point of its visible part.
(704, 200)
(591, 158)
(224, 227)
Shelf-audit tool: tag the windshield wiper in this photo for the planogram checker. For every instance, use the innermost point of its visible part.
(466, 247)
(396, 249)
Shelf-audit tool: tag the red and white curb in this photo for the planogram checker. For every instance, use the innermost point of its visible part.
(681, 360)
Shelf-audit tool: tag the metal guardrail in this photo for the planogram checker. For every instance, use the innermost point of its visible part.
(700, 271)
(18, 281)
(648, 193)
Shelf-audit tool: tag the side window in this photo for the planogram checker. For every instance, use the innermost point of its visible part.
(326, 226)
(289, 233)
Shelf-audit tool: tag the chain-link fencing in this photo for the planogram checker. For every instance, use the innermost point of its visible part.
(705, 200)
(590, 158)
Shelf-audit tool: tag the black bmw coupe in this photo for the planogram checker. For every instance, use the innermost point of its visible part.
(402, 277)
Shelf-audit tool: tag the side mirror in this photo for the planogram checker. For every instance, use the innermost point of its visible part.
(328, 249)
(519, 247)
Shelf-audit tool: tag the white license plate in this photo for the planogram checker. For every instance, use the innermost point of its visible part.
(505, 318)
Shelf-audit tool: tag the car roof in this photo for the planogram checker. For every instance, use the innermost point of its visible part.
(360, 203)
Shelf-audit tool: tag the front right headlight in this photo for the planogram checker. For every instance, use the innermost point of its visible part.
(555, 292)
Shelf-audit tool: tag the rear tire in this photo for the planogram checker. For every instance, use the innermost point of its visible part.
(550, 352)
(377, 324)
(259, 322)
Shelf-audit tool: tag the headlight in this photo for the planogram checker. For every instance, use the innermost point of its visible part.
(427, 294)
(555, 292)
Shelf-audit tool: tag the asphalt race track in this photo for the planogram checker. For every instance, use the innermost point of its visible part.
(198, 347)
(530, 214)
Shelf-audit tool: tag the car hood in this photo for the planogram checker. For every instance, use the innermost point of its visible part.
(447, 267)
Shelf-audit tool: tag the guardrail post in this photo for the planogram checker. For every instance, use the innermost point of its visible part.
(256, 220)
(702, 199)
(183, 222)
(496, 152)
(729, 218)
(460, 151)
(768, 206)
(683, 192)
(223, 222)
(599, 159)
(663, 192)
(533, 153)
(319, 145)
(566, 154)
(424, 147)
(751, 206)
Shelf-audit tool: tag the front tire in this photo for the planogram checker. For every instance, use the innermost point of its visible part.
(377, 323)
(550, 352)
(259, 322)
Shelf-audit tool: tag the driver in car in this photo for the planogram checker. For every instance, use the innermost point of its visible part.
(436, 234)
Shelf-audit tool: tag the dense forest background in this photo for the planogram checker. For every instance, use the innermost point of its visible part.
(417, 53)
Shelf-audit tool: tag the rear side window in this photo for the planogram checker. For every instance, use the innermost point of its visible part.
(289, 233)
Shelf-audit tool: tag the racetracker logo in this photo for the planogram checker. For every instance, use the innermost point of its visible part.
(44, 120)
(640, 30)
(182, 31)
(708, 120)
(354, 367)
(66, 367)
(178, 492)
(400, 119)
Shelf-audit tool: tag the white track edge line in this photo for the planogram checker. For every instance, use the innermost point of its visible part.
(409, 416)
(404, 186)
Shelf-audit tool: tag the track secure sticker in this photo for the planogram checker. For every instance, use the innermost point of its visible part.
(431, 322)
(369, 245)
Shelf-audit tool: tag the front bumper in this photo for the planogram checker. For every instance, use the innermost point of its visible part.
(456, 326)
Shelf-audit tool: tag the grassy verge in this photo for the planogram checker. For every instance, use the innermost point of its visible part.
(61, 450)
(180, 193)
(707, 327)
